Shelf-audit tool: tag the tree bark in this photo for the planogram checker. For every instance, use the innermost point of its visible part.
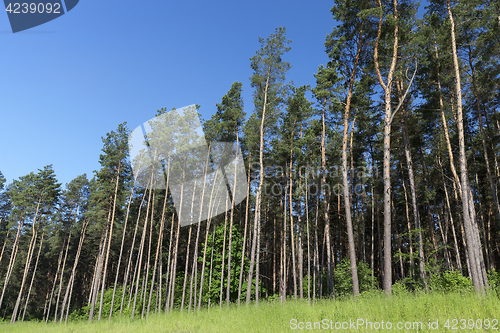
(387, 281)
(475, 252)
(258, 199)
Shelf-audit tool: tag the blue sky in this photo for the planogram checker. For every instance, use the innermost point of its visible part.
(65, 84)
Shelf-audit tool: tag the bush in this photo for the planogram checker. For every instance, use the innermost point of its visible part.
(494, 280)
(450, 281)
(343, 278)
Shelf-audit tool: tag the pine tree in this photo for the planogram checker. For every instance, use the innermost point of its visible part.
(268, 81)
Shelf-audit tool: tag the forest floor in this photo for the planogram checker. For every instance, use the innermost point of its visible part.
(374, 312)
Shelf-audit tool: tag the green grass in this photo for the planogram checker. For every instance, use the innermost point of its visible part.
(276, 317)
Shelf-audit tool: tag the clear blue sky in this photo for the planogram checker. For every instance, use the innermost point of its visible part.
(65, 84)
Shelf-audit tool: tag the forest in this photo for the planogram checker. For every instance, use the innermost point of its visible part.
(384, 175)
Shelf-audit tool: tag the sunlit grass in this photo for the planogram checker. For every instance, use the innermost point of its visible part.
(276, 317)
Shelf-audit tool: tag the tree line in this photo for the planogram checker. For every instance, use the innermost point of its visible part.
(387, 168)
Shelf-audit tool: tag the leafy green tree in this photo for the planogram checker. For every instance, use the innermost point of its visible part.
(215, 246)
(343, 278)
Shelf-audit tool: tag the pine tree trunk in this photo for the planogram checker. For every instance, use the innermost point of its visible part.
(329, 254)
(160, 238)
(62, 274)
(455, 243)
(407, 210)
(148, 262)
(413, 192)
(141, 249)
(228, 288)
(211, 266)
(284, 274)
(308, 243)
(347, 195)
(493, 187)
(469, 224)
(97, 273)
(110, 239)
(4, 244)
(247, 206)
(387, 280)
(129, 265)
(174, 264)
(69, 289)
(121, 250)
(255, 246)
(186, 268)
(28, 261)
(167, 275)
(206, 243)
(12, 260)
(292, 237)
(33, 276)
(223, 253)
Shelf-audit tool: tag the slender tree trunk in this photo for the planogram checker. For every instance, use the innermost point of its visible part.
(290, 202)
(475, 252)
(121, 250)
(167, 276)
(33, 276)
(160, 238)
(411, 177)
(141, 248)
(97, 273)
(329, 254)
(257, 274)
(242, 264)
(255, 246)
(129, 265)
(69, 289)
(110, 239)
(62, 274)
(4, 244)
(228, 288)
(211, 266)
(12, 260)
(28, 261)
(206, 243)
(148, 262)
(493, 187)
(223, 252)
(308, 243)
(345, 180)
(173, 270)
(448, 207)
(387, 281)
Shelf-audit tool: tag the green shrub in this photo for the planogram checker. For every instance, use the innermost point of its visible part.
(343, 278)
(494, 280)
(450, 281)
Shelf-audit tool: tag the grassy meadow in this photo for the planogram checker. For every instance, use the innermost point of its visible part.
(273, 316)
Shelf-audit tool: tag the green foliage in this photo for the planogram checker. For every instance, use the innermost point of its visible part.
(494, 280)
(343, 278)
(215, 248)
(399, 288)
(450, 281)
